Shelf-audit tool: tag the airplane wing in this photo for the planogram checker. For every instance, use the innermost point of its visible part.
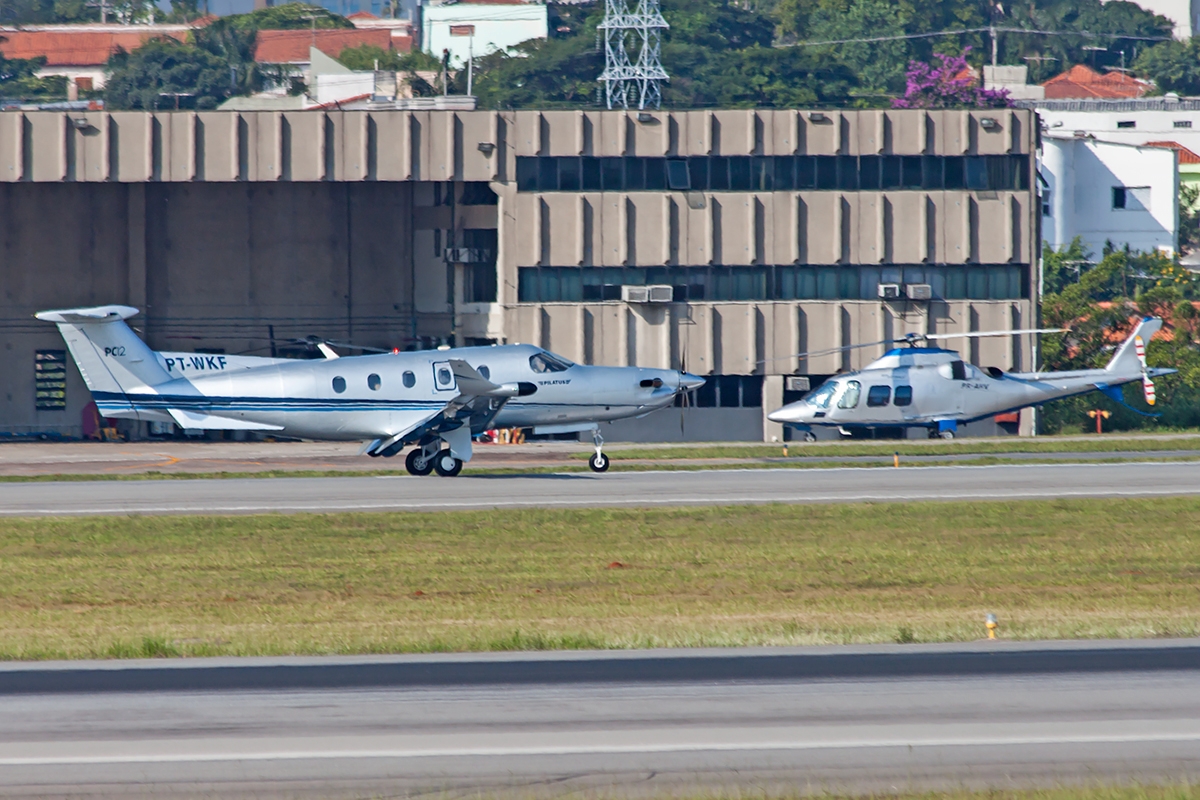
(211, 422)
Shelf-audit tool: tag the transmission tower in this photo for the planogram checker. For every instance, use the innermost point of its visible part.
(633, 71)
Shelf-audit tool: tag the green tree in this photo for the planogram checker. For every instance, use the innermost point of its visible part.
(367, 56)
(139, 80)
(19, 80)
(285, 17)
(879, 65)
(1173, 66)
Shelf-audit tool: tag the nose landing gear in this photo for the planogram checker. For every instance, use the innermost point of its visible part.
(598, 462)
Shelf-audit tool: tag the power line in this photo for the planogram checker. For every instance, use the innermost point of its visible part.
(961, 31)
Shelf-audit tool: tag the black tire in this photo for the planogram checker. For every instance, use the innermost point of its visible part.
(416, 465)
(809, 436)
(374, 454)
(947, 435)
(599, 462)
(447, 465)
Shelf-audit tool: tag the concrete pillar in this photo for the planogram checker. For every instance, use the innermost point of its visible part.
(772, 397)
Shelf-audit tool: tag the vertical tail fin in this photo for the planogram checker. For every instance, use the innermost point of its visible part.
(1126, 361)
(110, 356)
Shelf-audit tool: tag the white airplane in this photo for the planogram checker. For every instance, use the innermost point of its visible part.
(391, 400)
(935, 389)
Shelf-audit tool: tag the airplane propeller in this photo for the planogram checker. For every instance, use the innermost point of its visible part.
(913, 340)
(1147, 385)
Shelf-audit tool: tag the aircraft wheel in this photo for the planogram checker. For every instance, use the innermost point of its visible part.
(447, 465)
(416, 465)
(374, 454)
(809, 436)
(947, 434)
(599, 462)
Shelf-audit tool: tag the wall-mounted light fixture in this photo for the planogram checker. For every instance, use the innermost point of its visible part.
(817, 116)
(644, 117)
(487, 148)
(989, 124)
(81, 124)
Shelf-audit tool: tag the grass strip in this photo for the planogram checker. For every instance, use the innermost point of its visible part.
(602, 578)
(912, 448)
(1092, 791)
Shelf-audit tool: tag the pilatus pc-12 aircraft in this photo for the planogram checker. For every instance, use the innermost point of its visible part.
(392, 400)
(935, 389)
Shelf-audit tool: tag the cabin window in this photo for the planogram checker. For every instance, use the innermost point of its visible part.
(958, 371)
(821, 397)
(850, 396)
(545, 362)
(339, 384)
(374, 382)
(409, 379)
(879, 396)
(485, 372)
(444, 377)
(903, 395)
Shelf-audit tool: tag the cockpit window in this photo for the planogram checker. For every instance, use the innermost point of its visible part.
(849, 398)
(823, 394)
(548, 362)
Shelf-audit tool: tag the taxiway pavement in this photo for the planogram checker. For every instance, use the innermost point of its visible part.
(615, 488)
(943, 726)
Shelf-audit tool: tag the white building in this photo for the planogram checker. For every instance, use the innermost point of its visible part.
(1134, 121)
(495, 26)
(1108, 192)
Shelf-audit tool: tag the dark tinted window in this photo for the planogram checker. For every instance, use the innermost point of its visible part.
(903, 395)
(527, 175)
(739, 175)
(718, 173)
(958, 371)
(847, 167)
(373, 382)
(547, 174)
(485, 372)
(785, 173)
(911, 172)
(879, 396)
(409, 380)
(568, 174)
(591, 175)
(635, 174)
(868, 172)
(826, 173)
(677, 174)
(612, 171)
(656, 173)
(339, 384)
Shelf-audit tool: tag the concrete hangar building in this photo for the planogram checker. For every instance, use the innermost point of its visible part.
(725, 241)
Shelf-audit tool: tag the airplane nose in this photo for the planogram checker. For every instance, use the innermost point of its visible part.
(688, 381)
(789, 413)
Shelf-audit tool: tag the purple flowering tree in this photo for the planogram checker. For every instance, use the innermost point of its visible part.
(949, 83)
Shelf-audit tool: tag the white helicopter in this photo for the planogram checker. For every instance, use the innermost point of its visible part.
(391, 400)
(934, 388)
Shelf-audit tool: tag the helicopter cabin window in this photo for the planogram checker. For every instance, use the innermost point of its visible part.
(958, 371)
(409, 379)
(903, 395)
(849, 397)
(821, 397)
(546, 362)
(339, 384)
(485, 372)
(374, 382)
(879, 396)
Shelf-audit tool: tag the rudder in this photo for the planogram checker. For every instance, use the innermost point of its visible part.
(110, 356)
(1126, 362)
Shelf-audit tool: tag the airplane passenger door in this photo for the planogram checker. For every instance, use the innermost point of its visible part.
(443, 377)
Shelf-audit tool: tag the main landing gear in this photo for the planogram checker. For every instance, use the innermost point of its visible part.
(429, 457)
(598, 462)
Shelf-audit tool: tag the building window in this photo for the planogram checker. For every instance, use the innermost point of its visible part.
(1127, 123)
(782, 282)
(1182, 123)
(769, 174)
(50, 380)
(1131, 198)
(1046, 203)
(728, 391)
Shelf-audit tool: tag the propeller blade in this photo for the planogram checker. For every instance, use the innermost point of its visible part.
(980, 334)
(1148, 389)
(1139, 347)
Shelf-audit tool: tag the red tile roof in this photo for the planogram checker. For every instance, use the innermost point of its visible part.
(291, 47)
(1083, 82)
(362, 15)
(1185, 156)
(74, 48)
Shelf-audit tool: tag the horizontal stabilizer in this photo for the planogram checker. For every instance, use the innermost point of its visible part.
(211, 422)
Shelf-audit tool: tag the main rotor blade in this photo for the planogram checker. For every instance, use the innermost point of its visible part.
(979, 334)
(842, 349)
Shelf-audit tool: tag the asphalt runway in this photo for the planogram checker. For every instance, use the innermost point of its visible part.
(681, 730)
(615, 488)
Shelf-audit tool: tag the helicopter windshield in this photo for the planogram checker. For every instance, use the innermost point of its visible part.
(548, 362)
(823, 394)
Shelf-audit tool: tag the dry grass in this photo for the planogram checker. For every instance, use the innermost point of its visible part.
(532, 579)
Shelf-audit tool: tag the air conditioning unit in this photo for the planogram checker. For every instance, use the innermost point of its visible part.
(889, 291)
(656, 293)
(796, 383)
(919, 291)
